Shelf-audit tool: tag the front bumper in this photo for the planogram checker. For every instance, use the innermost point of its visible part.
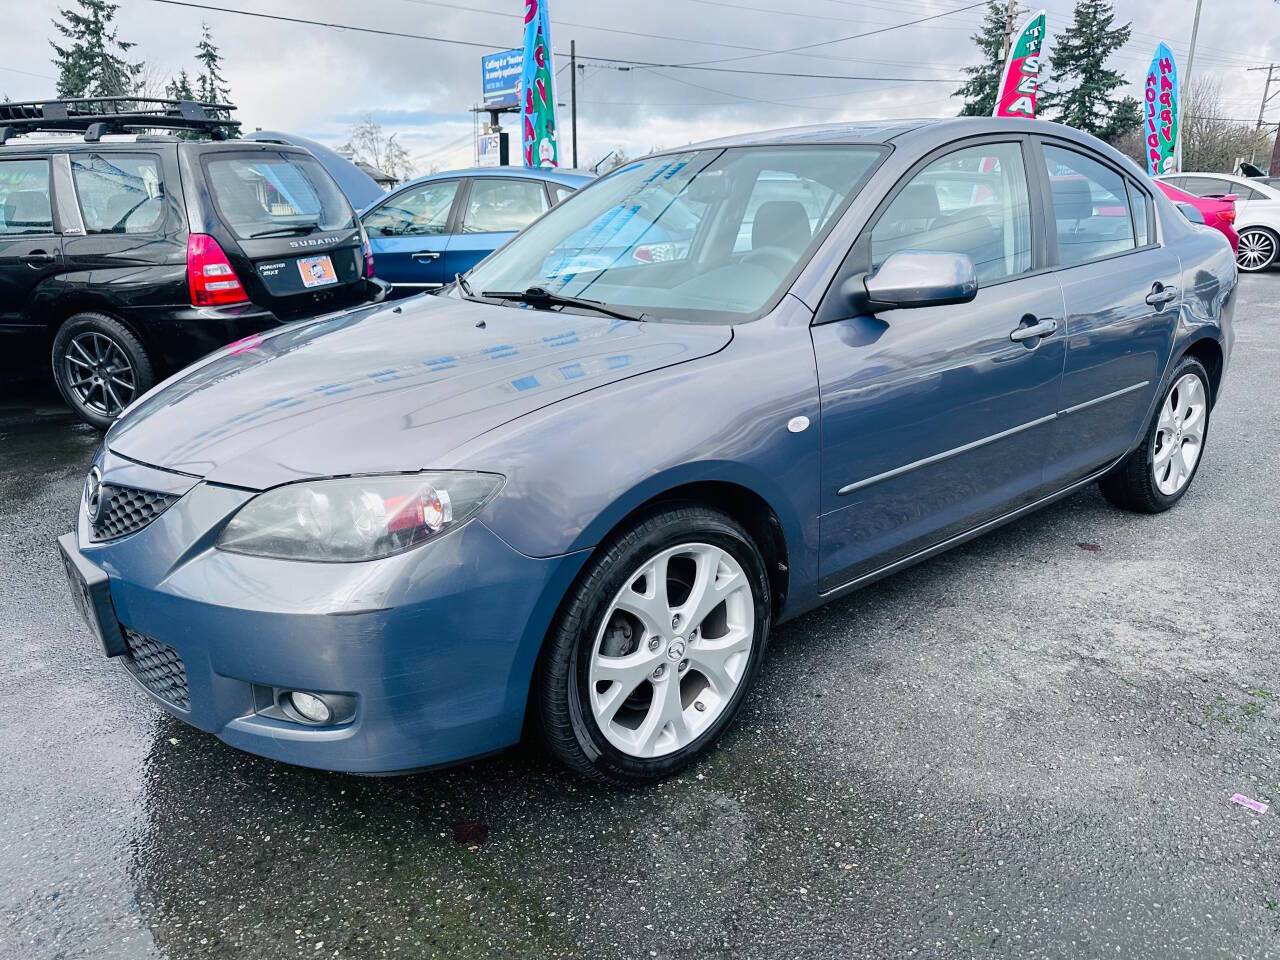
(437, 645)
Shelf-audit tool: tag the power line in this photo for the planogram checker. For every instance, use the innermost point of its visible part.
(350, 28)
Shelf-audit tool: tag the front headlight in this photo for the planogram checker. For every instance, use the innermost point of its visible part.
(357, 518)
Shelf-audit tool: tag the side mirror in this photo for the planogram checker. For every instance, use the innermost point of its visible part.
(1191, 213)
(915, 278)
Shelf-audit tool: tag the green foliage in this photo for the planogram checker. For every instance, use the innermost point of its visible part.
(1082, 90)
(983, 86)
(91, 63)
(179, 88)
(210, 85)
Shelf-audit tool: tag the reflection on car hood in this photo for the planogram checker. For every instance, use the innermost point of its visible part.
(385, 389)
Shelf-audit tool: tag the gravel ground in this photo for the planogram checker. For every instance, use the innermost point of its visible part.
(1026, 747)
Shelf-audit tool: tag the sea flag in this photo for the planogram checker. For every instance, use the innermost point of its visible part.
(1161, 116)
(537, 88)
(1021, 78)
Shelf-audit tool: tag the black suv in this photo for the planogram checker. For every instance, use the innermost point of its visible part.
(128, 254)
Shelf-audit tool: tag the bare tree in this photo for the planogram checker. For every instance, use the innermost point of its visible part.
(369, 143)
(1209, 142)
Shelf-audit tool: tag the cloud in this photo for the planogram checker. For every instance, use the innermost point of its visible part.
(318, 81)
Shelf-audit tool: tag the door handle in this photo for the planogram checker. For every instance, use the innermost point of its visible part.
(37, 257)
(1041, 328)
(1160, 295)
(426, 255)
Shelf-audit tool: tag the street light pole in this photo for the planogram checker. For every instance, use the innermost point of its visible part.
(1191, 53)
(573, 98)
(1267, 95)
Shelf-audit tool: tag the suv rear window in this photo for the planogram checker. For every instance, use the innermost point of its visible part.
(276, 194)
(119, 193)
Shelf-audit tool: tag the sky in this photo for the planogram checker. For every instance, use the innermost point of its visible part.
(317, 81)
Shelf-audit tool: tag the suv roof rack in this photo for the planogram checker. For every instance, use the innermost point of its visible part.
(97, 116)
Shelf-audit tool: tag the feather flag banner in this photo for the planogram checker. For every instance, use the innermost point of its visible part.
(1161, 115)
(1020, 82)
(537, 89)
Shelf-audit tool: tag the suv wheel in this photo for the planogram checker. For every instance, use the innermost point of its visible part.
(655, 647)
(100, 367)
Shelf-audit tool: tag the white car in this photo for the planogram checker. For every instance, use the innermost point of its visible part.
(1257, 213)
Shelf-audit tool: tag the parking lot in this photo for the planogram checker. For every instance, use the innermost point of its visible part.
(1025, 747)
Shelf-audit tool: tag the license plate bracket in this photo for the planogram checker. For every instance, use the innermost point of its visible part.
(317, 271)
(91, 592)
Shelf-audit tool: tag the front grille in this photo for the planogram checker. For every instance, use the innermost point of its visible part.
(157, 667)
(127, 510)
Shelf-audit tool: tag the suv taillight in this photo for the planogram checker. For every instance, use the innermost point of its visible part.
(209, 275)
(368, 253)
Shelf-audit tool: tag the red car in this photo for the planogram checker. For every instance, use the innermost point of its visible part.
(1218, 212)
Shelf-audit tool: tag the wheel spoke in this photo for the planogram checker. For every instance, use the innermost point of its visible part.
(720, 660)
(712, 583)
(650, 606)
(114, 405)
(79, 347)
(666, 715)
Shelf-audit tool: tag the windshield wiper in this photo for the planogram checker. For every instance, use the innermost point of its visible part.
(286, 231)
(461, 281)
(542, 297)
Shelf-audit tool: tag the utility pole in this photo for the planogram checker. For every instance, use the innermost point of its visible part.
(1010, 10)
(1267, 96)
(1191, 58)
(573, 98)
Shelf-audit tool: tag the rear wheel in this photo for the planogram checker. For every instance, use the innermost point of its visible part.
(1158, 473)
(100, 367)
(1258, 249)
(655, 647)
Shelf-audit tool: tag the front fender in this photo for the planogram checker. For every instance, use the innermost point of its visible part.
(576, 468)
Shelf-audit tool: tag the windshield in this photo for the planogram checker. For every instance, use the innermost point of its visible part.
(276, 193)
(704, 236)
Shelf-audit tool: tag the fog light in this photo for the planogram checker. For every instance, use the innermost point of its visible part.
(310, 707)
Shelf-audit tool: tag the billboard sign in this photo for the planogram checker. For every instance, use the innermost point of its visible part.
(501, 73)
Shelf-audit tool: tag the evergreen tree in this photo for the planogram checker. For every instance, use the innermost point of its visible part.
(210, 85)
(179, 88)
(983, 86)
(92, 62)
(1083, 92)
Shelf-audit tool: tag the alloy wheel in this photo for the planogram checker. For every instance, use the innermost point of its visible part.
(672, 650)
(1257, 250)
(1179, 434)
(99, 372)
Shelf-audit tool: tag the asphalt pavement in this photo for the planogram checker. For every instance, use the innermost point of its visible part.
(1025, 747)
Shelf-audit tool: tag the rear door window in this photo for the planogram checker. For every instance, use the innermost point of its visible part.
(1090, 207)
(421, 211)
(24, 198)
(119, 193)
(276, 194)
(503, 206)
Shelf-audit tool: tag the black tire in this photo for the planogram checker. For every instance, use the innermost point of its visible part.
(1259, 249)
(99, 409)
(1132, 485)
(568, 726)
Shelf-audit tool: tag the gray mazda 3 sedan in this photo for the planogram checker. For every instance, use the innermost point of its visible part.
(712, 390)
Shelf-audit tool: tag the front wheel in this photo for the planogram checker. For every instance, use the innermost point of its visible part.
(1158, 473)
(1258, 249)
(655, 647)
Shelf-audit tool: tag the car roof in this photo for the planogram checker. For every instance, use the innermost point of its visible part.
(922, 131)
(566, 175)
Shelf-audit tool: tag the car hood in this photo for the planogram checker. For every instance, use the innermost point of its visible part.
(385, 389)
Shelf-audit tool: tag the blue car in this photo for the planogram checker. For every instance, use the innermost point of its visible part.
(428, 230)
(376, 541)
